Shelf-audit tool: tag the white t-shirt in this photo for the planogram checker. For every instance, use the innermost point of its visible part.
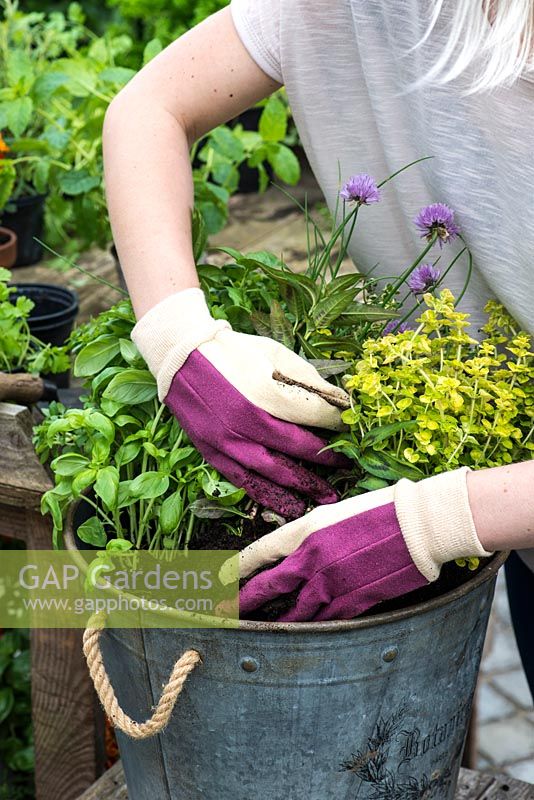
(346, 66)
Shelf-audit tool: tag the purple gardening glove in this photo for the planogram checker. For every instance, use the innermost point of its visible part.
(344, 558)
(243, 400)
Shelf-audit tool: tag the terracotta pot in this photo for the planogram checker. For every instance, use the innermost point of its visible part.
(27, 221)
(8, 247)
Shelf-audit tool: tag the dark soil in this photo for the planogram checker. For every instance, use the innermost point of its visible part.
(216, 536)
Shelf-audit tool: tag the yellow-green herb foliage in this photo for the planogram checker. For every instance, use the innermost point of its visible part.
(470, 403)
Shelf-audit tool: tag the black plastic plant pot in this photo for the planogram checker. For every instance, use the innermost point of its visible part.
(249, 177)
(52, 318)
(27, 221)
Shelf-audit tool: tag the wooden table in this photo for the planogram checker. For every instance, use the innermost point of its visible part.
(67, 718)
(471, 786)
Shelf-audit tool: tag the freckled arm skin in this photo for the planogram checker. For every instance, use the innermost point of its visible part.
(201, 80)
(502, 504)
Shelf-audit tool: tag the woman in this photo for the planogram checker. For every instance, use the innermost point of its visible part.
(373, 85)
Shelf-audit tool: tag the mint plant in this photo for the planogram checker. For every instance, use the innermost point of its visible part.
(29, 46)
(163, 20)
(58, 79)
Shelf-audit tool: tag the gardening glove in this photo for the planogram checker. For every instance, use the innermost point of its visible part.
(344, 558)
(242, 401)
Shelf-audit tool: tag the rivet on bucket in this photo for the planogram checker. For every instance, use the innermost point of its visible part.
(249, 664)
(390, 653)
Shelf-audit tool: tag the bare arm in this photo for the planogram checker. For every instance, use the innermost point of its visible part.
(502, 504)
(202, 80)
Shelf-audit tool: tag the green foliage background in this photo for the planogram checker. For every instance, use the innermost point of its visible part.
(16, 732)
(59, 71)
(145, 19)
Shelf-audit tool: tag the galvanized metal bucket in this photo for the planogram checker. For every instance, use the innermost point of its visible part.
(372, 708)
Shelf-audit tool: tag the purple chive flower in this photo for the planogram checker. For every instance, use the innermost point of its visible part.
(437, 219)
(395, 327)
(361, 189)
(423, 278)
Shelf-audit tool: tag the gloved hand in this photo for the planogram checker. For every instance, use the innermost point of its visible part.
(242, 399)
(347, 557)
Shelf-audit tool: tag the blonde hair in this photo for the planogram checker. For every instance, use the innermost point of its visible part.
(493, 38)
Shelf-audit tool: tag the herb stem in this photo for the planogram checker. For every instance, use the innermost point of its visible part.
(97, 508)
(408, 271)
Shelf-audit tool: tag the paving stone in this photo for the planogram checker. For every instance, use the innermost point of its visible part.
(505, 734)
(501, 653)
(501, 600)
(492, 705)
(514, 685)
(254, 217)
(506, 740)
(94, 297)
(257, 222)
(523, 770)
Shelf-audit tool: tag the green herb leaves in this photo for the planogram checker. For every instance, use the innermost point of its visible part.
(124, 455)
(432, 399)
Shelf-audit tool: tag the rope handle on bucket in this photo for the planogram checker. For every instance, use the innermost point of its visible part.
(169, 695)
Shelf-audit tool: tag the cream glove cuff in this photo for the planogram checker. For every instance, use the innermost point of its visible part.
(171, 330)
(436, 521)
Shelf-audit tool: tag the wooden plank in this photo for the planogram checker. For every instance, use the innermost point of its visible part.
(471, 786)
(483, 786)
(67, 717)
(15, 521)
(68, 721)
(22, 477)
(502, 787)
(111, 786)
